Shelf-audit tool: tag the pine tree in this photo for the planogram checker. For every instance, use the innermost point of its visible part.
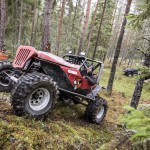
(84, 26)
(139, 85)
(32, 40)
(46, 25)
(99, 30)
(60, 26)
(105, 30)
(20, 21)
(92, 26)
(117, 51)
(2, 24)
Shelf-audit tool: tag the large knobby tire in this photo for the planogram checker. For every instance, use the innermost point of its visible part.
(5, 83)
(96, 110)
(34, 95)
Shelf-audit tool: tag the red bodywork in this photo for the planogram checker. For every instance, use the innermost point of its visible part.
(24, 53)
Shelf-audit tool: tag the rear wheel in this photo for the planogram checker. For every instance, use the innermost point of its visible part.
(130, 74)
(96, 110)
(34, 95)
(5, 68)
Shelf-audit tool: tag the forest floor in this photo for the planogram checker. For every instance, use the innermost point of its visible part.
(66, 127)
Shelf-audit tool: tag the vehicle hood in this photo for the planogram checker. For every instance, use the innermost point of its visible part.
(55, 59)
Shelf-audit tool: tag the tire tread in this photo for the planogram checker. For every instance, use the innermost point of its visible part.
(91, 110)
(23, 88)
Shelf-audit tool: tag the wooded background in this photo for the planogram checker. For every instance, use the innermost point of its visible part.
(65, 25)
(116, 32)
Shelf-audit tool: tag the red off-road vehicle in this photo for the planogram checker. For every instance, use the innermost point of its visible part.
(36, 79)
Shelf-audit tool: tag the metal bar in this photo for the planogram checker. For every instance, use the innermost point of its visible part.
(100, 73)
(76, 94)
(12, 77)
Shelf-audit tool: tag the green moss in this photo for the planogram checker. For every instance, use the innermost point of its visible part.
(55, 133)
(66, 127)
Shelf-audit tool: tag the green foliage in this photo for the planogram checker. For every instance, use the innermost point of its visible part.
(144, 71)
(137, 20)
(123, 84)
(139, 122)
(105, 29)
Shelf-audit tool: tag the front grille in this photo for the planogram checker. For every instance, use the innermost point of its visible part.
(22, 56)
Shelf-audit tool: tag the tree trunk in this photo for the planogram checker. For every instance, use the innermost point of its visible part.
(60, 26)
(2, 24)
(16, 25)
(114, 14)
(37, 29)
(85, 26)
(73, 23)
(139, 85)
(20, 22)
(147, 59)
(46, 25)
(124, 49)
(92, 26)
(117, 51)
(137, 93)
(82, 15)
(115, 29)
(33, 24)
(99, 30)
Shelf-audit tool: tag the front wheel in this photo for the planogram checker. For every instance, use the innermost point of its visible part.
(5, 70)
(96, 110)
(34, 95)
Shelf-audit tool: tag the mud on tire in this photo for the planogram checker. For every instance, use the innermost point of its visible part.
(5, 85)
(96, 110)
(34, 95)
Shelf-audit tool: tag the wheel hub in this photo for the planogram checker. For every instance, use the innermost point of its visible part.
(39, 99)
(100, 112)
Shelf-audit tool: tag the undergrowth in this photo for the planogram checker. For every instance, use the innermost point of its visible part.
(66, 128)
(57, 132)
(123, 84)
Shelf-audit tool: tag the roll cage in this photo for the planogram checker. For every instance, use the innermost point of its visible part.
(85, 63)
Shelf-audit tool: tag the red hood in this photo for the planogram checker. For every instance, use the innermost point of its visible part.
(56, 59)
